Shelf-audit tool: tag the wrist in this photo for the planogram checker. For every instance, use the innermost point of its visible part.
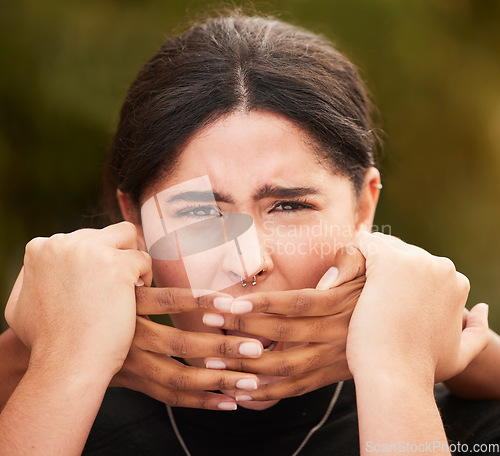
(391, 372)
(70, 366)
(395, 380)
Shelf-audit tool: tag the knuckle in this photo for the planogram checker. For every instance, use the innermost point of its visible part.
(285, 368)
(445, 264)
(463, 283)
(319, 328)
(128, 226)
(178, 381)
(33, 246)
(264, 303)
(166, 298)
(239, 324)
(266, 396)
(302, 303)
(203, 302)
(203, 403)
(152, 372)
(221, 382)
(225, 348)
(313, 361)
(331, 299)
(238, 364)
(298, 389)
(179, 345)
(172, 399)
(145, 333)
(281, 330)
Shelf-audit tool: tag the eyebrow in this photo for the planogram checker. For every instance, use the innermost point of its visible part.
(206, 196)
(277, 191)
(267, 191)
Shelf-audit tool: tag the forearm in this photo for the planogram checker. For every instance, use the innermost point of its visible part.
(398, 415)
(14, 358)
(481, 378)
(50, 412)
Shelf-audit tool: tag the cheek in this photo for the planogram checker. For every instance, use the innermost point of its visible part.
(170, 274)
(302, 254)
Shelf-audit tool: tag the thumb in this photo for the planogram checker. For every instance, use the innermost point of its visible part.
(349, 263)
(475, 335)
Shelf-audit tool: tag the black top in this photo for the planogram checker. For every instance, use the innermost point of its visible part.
(130, 423)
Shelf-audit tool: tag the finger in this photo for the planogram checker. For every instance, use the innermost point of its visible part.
(160, 301)
(475, 336)
(143, 266)
(304, 302)
(296, 386)
(121, 235)
(349, 263)
(287, 363)
(281, 328)
(191, 399)
(185, 344)
(174, 375)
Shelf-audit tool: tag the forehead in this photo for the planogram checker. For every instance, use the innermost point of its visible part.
(247, 150)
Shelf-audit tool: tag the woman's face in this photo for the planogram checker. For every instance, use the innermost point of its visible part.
(263, 165)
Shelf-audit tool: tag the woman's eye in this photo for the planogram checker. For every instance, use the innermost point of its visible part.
(290, 206)
(200, 211)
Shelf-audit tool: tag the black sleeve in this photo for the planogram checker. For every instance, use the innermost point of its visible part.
(131, 424)
(472, 426)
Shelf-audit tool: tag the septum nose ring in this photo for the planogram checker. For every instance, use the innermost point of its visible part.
(254, 281)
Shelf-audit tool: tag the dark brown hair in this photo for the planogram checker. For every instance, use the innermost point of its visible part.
(240, 63)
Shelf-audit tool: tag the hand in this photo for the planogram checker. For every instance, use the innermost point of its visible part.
(408, 320)
(315, 319)
(150, 368)
(73, 304)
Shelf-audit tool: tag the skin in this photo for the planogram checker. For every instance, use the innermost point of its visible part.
(425, 304)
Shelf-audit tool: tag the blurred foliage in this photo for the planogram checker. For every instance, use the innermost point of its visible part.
(433, 68)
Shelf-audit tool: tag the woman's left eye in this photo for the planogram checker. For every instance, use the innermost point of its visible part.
(290, 206)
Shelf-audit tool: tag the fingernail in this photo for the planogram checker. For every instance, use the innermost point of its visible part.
(215, 364)
(328, 279)
(223, 303)
(243, 397)
(253, 349)
(211, 319)
(139, 283)
(246, 384)
(241, 307)
(227, 406)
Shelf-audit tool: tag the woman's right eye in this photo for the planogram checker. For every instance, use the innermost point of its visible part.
(199, 212)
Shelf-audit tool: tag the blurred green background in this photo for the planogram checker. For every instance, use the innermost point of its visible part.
(433, 68)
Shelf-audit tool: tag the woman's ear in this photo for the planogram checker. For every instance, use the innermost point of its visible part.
(367, 201)
(132, 214)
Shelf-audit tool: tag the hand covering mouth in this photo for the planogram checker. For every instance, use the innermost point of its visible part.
(268, 344)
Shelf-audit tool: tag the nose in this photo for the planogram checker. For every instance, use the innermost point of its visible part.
(264, 268)
(243, 257)
(248, 260)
